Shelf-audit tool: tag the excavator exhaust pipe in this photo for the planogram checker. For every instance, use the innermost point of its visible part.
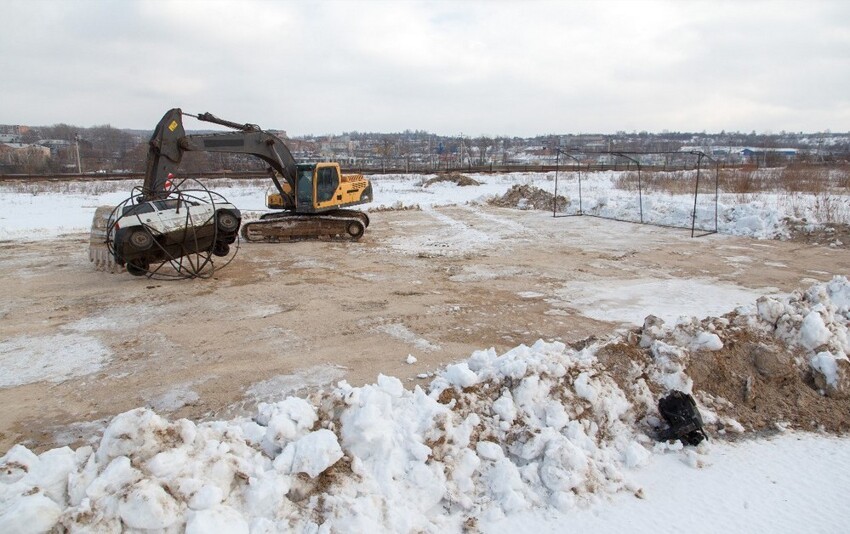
(99, 252)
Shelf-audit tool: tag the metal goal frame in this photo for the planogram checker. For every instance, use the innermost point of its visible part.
(704, 164)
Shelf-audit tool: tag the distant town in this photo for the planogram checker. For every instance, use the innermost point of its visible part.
(67, 149)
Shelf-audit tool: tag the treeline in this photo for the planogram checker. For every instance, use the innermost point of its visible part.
(67, 148)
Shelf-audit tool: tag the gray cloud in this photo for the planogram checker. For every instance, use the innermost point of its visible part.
(518, 68)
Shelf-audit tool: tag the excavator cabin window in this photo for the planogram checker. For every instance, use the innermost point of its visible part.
(328, 182)
(305, 187)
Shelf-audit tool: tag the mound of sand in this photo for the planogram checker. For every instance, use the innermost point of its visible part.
(528, 197)
(454, 177)
(782, 365)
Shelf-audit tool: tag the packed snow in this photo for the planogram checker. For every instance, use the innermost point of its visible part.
(627, 301)
(538, 438)
(25, 359)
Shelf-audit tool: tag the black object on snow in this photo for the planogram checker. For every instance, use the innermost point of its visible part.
(685, 423)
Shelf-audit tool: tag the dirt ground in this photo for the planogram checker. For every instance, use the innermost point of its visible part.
(436, 284)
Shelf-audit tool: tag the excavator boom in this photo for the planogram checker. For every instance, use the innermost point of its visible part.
(169, 141)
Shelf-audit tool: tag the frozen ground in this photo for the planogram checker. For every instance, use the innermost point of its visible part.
(288, 428)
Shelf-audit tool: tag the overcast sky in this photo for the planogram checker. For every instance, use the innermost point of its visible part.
(478, 68)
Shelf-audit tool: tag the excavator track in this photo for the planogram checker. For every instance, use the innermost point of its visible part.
(337, 225)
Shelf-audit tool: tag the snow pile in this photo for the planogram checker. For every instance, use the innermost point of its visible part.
(541, 427)
(815, 320)
(537, 426)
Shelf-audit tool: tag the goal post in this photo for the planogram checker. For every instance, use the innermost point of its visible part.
(662, 188)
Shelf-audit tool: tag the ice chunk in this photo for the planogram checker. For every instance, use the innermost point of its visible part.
(148, 506)
(489, 450)
(30, 513)
(813, 331)
(221, 520)
(461, 375)
(311, 454)
(706, 341)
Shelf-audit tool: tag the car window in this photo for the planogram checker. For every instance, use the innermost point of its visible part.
(138, 209)
(170, 204)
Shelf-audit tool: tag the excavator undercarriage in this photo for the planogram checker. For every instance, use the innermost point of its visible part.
(337, 225)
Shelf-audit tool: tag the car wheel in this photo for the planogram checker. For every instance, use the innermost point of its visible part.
(141, 240)
(138, 267)
(227, 222)
(221, 249)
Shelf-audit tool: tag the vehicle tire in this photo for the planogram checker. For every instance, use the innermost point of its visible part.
(137, 267)
(227, 222)
(355, 229)
(221, 249)
(141, 240)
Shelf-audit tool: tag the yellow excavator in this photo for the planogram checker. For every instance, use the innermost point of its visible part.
(310, 197)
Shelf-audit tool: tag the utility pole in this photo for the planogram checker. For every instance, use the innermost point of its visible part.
(77, 150)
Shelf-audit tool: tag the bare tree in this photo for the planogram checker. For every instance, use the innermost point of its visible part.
(483, 143)
(384, 149)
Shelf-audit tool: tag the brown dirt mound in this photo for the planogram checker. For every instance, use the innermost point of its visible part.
(763, 386)
(528, 197)
(457, 178)
(829, 234)
(754, 379)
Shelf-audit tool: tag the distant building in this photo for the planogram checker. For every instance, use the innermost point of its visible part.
(21, 157)
(754, 155)
(55, 145)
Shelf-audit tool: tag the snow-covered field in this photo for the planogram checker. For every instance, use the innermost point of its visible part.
(40, 210)
(539, 438)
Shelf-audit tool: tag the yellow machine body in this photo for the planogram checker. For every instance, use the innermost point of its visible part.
(322, 187)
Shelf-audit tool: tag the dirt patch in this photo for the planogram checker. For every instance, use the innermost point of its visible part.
(625, 362)
(453, 177)
(754, 379)
(831, 234)
(529, 197)
(764, 385)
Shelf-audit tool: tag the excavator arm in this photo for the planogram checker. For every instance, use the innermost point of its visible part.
(169, 141)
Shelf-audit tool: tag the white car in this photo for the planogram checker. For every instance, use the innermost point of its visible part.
(159, 230)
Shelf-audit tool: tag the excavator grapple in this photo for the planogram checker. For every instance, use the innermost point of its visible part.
(99, 250)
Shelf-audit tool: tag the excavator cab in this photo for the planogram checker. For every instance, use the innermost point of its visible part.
(317, 187)
(321, 187)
